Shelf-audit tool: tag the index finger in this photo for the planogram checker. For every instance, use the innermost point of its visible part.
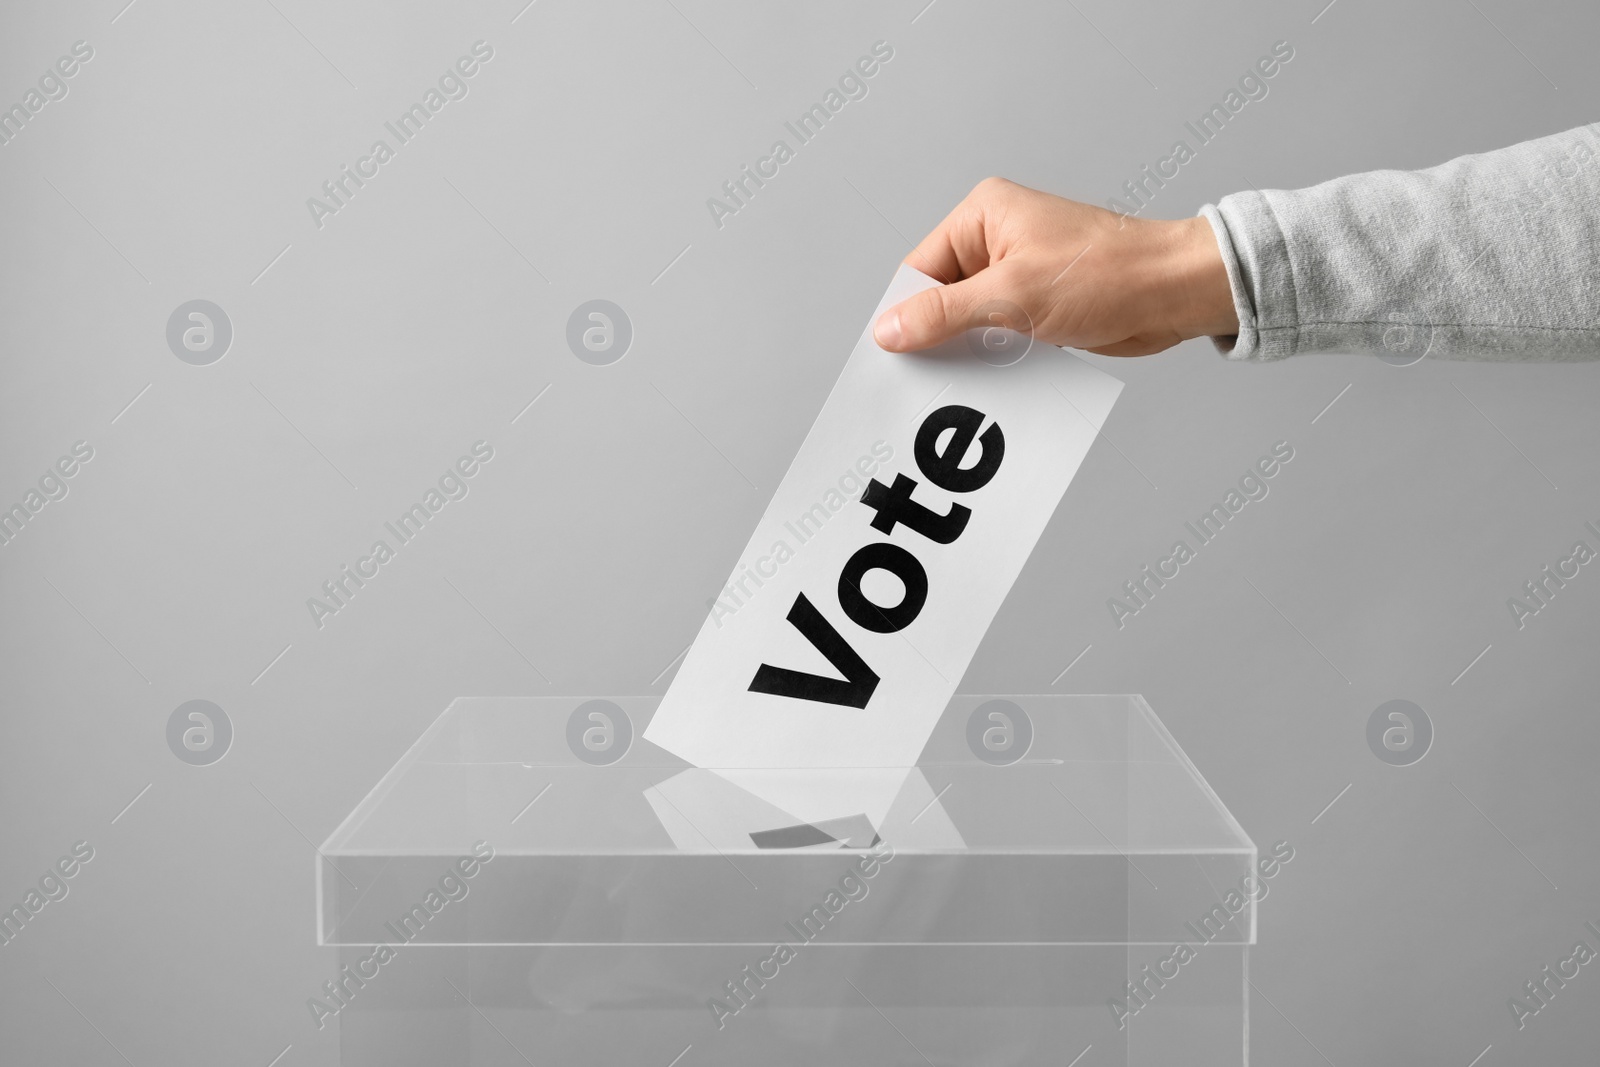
(956, 248)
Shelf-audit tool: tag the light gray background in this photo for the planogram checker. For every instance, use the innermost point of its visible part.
(376, 350)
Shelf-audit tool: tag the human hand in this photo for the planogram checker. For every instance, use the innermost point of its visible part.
(1086, 278)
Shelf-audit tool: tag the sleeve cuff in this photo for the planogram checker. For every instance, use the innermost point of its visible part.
(1261, 276)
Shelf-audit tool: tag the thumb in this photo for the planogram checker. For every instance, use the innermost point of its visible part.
(936, 315)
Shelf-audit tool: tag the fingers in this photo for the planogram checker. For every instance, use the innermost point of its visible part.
(936, 315)
(937, 254)
(959, 246)
(1125, 348)
(1136, 346)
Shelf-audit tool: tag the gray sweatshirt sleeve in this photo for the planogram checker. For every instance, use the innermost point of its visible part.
(1493, 257)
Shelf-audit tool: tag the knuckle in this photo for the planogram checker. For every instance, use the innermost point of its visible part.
(931, 314)
(993, 186)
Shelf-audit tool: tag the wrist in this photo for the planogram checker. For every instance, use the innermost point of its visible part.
(1201, 294)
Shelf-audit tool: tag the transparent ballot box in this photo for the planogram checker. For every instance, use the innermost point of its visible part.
(535, 883)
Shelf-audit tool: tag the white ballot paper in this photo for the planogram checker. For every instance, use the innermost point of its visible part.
(883, 557)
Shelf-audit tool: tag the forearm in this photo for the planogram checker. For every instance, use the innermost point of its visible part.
(1493, 256)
